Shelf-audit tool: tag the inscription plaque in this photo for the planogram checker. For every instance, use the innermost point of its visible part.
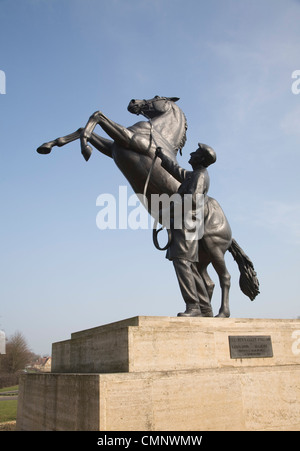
(250, 346)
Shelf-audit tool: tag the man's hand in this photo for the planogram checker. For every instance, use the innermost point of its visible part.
(159, 152)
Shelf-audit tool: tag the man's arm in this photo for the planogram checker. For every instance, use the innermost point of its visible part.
(171, 166)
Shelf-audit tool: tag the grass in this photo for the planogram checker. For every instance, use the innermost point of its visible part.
(14, 387)
(8, 410)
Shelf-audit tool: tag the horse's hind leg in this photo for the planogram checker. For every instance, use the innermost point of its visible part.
(209, 285)
(218, 263)
(207, 280)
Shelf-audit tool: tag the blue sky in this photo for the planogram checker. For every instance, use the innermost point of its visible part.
(231, 64)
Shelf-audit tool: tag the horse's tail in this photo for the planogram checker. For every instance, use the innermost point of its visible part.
(248, 280)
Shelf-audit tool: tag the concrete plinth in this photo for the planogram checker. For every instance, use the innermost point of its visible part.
(172, 374)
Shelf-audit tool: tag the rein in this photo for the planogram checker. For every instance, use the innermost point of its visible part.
(155, 230)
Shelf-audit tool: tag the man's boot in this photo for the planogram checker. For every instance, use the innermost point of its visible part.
(207, 313)
(191, 310)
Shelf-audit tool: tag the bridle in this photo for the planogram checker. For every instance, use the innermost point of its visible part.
(148, 103)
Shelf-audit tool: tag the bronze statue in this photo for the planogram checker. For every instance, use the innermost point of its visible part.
(133, 150)
(183, 249)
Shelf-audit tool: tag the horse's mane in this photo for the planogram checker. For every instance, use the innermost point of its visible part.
(184, 138)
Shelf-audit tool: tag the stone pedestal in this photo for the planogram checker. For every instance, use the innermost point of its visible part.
(168, 374)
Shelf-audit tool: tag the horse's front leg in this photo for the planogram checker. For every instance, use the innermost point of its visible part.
(102, 144)
(47, 147)
(121, 135)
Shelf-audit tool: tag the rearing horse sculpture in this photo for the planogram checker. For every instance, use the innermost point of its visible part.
(133, 150)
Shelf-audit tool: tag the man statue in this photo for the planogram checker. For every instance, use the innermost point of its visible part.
(183, 250)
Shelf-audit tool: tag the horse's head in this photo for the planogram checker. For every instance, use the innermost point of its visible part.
(169, 120)
(151, 108)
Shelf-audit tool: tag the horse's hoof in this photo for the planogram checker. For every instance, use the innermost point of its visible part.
(44, 149)
(223, 315)
(86, 152)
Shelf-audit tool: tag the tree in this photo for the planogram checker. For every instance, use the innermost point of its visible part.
(17, 355)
